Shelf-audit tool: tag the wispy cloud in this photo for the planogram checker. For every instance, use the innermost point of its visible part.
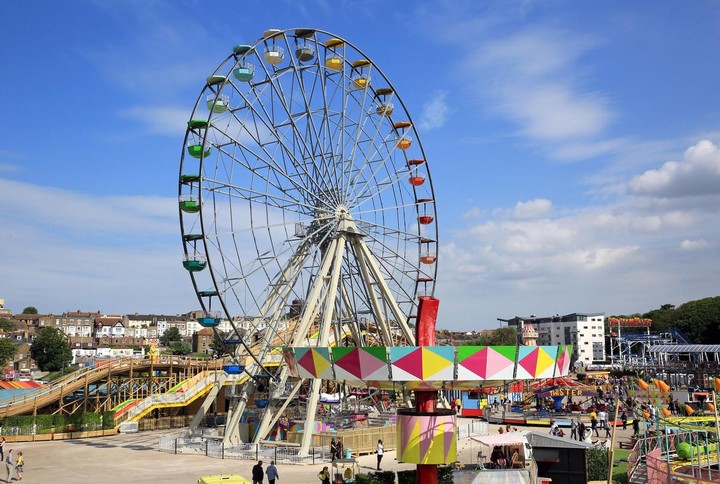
(159, 120)
(530, 78)
(79, 249)
(435, 112)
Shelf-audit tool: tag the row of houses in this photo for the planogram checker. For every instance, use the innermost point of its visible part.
(99, 335)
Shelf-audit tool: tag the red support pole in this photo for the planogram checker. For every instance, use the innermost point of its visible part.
(426, 401)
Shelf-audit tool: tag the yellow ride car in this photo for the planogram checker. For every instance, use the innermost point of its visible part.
(224, 479)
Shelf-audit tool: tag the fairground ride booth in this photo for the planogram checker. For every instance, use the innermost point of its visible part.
(559, 459)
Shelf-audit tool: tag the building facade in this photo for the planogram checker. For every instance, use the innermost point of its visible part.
(584, 331)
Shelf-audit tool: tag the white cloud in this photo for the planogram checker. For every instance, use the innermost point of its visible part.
(530, 78)
(618, 256)
(435, 112)
(697, 174)
(77, 251)
(693, 244)
(532, 208)
(473, 214)
(159, 120)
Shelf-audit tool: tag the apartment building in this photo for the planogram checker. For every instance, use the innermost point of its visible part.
(584, 331)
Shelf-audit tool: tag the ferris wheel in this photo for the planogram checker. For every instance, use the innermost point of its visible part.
(307, 210)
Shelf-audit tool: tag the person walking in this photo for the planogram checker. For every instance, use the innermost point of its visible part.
(19, 465)
(623, 419)
(2, 449)
(573, 429)
(271, 472)
(333, 450)
(324, 475)
(594, 427)
(380, 452)
(636, 427)
(581, 431)
(257, 473)
(9, 464)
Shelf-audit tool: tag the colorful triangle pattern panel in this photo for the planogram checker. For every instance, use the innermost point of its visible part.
(438, 362)
(406, 363)
(536, 362)
(314, 363)
(369, 363)
(563, 361)
(472, 362)
(290, 362)
(486, 363)
(414, 363)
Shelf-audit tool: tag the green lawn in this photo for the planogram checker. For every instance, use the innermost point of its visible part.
(620, 468)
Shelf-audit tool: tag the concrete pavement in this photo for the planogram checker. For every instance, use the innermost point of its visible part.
(134, 458)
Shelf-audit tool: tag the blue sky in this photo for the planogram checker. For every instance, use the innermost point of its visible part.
(574, 146)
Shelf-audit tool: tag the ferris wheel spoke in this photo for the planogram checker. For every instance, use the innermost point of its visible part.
(272, 167)
(277, 88)
(266, 119)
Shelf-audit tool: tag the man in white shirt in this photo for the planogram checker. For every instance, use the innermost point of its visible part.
(380, 451)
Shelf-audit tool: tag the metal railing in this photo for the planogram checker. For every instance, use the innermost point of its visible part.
(210, 447)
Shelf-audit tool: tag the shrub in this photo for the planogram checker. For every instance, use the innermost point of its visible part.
(383, 477)
(445, 475)
(407, 477)
(364, 479)
(597, 464)
(44, 423)
(108, 420)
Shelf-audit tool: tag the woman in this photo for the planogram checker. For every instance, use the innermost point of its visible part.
(515, 459)
(324, 475)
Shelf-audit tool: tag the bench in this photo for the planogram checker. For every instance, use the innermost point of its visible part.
(626, 444)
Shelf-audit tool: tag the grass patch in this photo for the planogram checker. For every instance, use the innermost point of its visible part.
(619, 472)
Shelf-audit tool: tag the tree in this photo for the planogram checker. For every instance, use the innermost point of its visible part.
(219, 347)
(8, 350)
(497, 337)
(30, 310)
(170, 336)
(7, 325)
(51, 350)
(180, 348)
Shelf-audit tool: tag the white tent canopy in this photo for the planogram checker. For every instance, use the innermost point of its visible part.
(507, 438)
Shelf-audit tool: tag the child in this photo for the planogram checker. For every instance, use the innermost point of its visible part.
(19, 465)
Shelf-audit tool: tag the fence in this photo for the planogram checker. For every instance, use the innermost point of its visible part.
(216, 448)
(359, 441)
(474, 427)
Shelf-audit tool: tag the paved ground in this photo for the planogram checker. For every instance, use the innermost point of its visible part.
(134, 458)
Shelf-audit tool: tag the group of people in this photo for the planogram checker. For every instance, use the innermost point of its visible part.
(498, 459)
(258, 474)
(14, 462)
(336, 449)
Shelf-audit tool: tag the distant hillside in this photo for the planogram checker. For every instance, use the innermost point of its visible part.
(699, 320)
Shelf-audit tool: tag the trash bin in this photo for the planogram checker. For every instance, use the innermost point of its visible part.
(348, 453)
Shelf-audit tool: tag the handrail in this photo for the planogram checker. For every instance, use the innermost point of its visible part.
(76, 380)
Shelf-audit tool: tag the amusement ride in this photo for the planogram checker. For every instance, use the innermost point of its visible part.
(309, 223)
(307, 208)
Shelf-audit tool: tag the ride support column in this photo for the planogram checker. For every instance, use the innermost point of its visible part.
(426, 401)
